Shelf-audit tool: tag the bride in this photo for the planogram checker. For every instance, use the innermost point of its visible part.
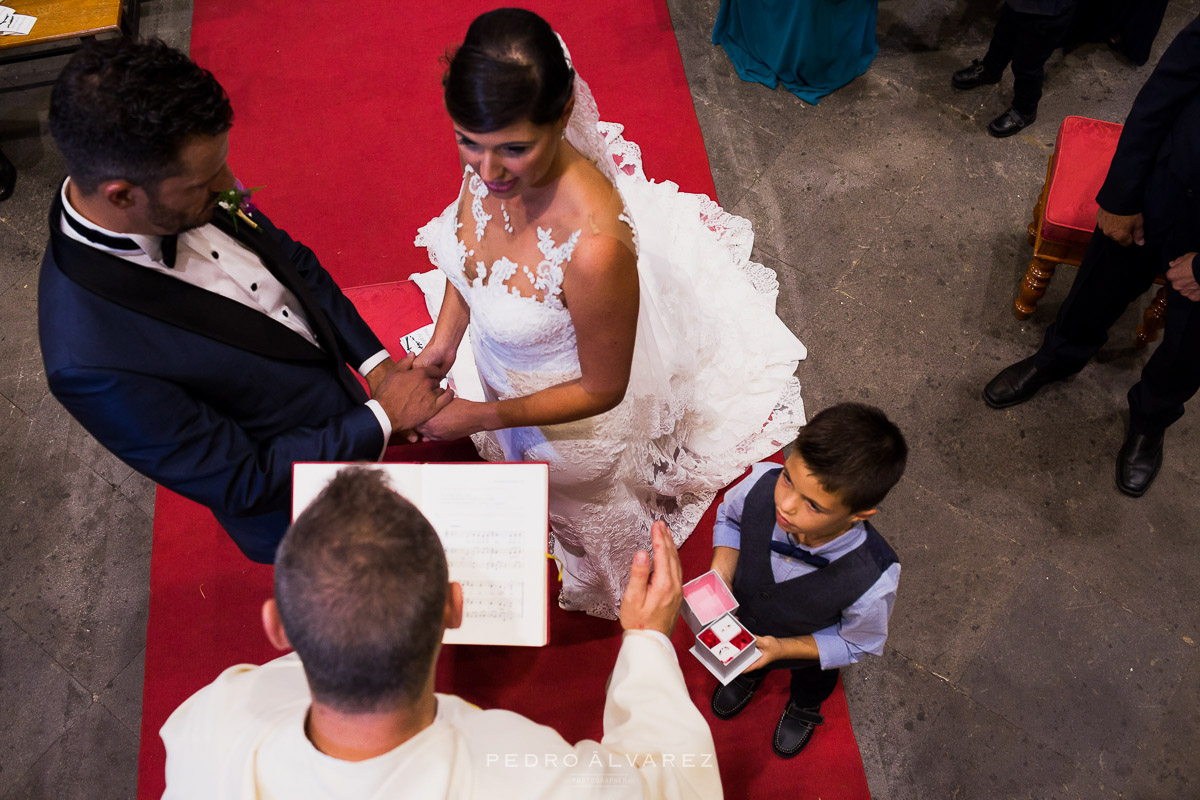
(612, 327)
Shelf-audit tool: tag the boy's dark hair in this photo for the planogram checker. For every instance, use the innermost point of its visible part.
(854, 451)
(361, 584)
(124, 109)
(509, 68)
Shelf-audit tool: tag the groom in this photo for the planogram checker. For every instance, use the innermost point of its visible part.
(207, 353)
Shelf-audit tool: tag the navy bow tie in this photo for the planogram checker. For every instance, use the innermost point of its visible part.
(795, 551)
(169, 243)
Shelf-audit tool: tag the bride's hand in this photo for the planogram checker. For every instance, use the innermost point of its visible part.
(436, 356)
(458, 419)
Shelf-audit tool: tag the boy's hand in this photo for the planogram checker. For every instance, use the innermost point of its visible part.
(652, 602)
(771, 650)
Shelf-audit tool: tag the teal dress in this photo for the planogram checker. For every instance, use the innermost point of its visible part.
(812, 47)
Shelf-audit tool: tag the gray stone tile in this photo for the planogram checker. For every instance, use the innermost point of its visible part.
(97, 757)
(884, 131)
(1120, 672)
(933, 270)
(814, 215)
(22, 376)
(1042, 473)
(122, 696)
(1166, 766)
(141, 490)
(17, 255)
(928, 72)
(893, 704)
(957, 577)
(739, 150)
(75, 568)
(40, 167)
(857, 354)
(40, 701)
(971, 753)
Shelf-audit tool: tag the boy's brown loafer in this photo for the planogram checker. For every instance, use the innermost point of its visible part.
(795, 729)
(728, 700)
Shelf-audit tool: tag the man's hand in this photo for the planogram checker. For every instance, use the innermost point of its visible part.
(1183, 278)
(1124, 230)
(651, 602)
(458, 419)
(376, 376)
(411, 396)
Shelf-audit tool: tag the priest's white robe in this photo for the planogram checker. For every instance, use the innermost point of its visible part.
(242, 737)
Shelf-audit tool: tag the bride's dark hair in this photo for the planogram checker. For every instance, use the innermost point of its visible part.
(510, 67)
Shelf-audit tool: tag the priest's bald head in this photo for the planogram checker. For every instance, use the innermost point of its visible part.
(362, 594)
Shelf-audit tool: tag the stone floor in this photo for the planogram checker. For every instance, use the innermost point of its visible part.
(1044, 641)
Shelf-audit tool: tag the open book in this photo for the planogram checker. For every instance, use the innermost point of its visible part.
(492, 520)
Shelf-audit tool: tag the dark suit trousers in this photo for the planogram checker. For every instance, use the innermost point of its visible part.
(811, 685)
(1026, 41)
(1110, 278)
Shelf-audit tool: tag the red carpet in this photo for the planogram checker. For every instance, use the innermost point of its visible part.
(341, 120)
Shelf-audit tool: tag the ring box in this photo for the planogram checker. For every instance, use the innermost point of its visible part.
(723, 645)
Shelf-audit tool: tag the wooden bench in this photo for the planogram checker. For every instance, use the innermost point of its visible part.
(66, 20)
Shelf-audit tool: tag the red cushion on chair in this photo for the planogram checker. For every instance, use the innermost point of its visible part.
(1082, 153)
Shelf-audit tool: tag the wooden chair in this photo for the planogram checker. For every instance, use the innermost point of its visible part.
(64, 21)
(1064, 217)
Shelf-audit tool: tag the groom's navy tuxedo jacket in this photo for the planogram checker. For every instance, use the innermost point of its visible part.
(206, 396)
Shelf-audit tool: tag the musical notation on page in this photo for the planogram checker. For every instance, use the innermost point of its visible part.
(492, 520)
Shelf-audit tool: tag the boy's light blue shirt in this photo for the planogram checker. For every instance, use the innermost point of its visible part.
(863, 626)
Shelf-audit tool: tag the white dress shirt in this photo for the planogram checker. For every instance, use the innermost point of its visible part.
(209, 259)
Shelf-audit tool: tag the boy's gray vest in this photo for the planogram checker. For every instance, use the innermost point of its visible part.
(810, 602)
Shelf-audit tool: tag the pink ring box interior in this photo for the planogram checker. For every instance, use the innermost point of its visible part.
(723, 645)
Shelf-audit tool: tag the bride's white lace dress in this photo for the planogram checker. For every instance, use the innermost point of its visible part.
(712, 388)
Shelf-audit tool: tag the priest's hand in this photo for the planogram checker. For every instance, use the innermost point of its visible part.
(1122, 229)
(651, 602)
(1182, 277)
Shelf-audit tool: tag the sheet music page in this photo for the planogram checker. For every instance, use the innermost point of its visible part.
(308, 479)
(492, 519)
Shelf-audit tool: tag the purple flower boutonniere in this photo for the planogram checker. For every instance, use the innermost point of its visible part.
(236, 203)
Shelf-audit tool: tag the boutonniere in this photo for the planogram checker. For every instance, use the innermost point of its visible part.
(236, 203)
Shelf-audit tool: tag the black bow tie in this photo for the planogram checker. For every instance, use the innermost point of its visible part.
(169, 243)
(797, 552)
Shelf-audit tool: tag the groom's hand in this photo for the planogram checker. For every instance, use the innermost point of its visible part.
(376, 376)
(411, 396)
(651, 602)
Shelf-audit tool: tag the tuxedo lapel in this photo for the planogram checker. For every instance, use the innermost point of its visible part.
(176, 303)
(278, 264)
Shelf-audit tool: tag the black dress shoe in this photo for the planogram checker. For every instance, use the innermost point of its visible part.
(8, 177)
(1010, 122)
(1138, 462)
(795, 729)
(728, 700)
(1016, 384)
(974, 75)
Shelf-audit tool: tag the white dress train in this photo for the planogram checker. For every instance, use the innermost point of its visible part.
(712, 386)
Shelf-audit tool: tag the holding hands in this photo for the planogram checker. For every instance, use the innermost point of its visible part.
(409, 395)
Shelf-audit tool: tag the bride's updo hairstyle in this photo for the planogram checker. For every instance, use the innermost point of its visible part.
(509, 68)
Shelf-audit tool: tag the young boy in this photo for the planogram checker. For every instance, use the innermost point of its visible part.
(815, 582)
